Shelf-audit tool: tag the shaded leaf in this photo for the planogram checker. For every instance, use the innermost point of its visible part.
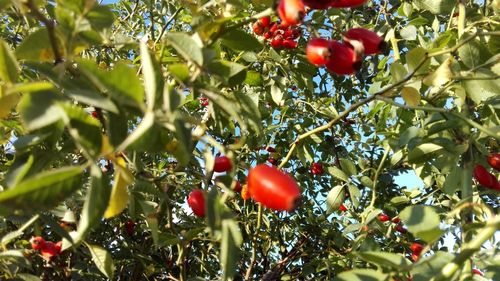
(102, 260)
(422, 221)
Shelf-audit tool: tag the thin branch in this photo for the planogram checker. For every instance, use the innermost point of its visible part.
(172, 17)
(349, 110)
(50, 24)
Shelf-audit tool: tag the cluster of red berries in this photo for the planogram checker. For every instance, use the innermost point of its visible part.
(317, 169)
(399, 228)
(486, 178)
(279, 36)
(416, 250)
(267, 185)
(48, 249)
(341, 58)
(344, 58)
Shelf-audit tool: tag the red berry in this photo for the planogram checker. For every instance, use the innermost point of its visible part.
(383, 217)
(265, 21)
(347, 3)
(95, 115)
(318, 51)
(272, 160)
(277, 42)
(291, 12)
(270, 149)
(37, 243)
(268, 35)
(290, 44)
(396, 220)
(372, 43)
(237, 187)
(401, 229)
(274, 27)
(494, 161)
(59, 246)
(342, 208)
(130, 227)
(317, 169)
(416, 248)
(273, 188)
(293, 88)
(222, 164)
(50, 250)
(343, 60)
(258, 28)
(196, 200)
(477, 272)
(483, 176)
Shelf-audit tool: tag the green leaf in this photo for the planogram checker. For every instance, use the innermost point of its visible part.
(408, 32)
(230, 72)
(84, 129)
(335, 198)
(441, 76)
(8, 103)
(9, 68)
(361, 275)
(337, 173)
(36, 47)
(152, 77)
(452, 181)
(474, 53)
(481, 90)
(348, 166)
(95, 204)
(253, 78)
(102, 260)
(38, 109)
(422, 221)
(411, 96)
(435, 6)
(239, 40)
(277, 94)
(185, 46)
(100, 17)
(230, 244)
(7, 238)
(421, 152)
(141, 129)
(385, 259)
(429, 267)
(42, 191)
(16, 256)
(415, 57)
(124, 86)
(180, 71)
(183, 135)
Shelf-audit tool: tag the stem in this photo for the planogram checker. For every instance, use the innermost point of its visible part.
(254, 245)
(377, 173)
(461, 18)
(469, 249)
(172, 17)
(50, 24)
(349, 110)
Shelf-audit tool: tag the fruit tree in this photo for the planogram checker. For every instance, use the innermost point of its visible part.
(249, 140)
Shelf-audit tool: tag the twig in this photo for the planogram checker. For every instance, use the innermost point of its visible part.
(50, 24)
(172, 17)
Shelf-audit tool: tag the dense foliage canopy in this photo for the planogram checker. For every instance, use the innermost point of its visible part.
(112, 114)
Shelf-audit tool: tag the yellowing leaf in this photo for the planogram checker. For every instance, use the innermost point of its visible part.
(441, 76)
(106, 148)
(8, 102)
(119, 195)
(411, 96)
